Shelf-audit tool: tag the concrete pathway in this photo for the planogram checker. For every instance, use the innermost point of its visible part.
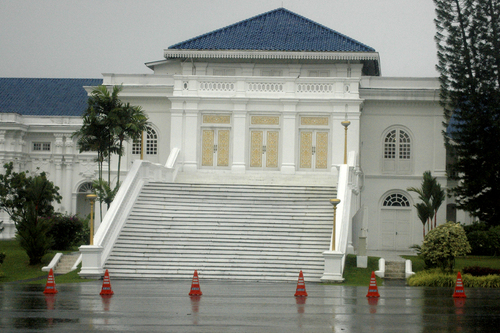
(227, 306)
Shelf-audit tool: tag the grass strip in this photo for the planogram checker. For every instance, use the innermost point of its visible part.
(16, 268)
(354, 276)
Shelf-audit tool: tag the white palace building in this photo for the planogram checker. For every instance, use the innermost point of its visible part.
(253, 128)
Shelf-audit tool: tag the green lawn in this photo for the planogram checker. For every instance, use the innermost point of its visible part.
(359, 276)
(16, 268)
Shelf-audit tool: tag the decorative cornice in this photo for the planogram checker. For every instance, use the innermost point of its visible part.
(243, 54)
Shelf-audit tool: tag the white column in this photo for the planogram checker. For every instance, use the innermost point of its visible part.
(58, 182)
(191, 140)
(289, 142)
(68, 186)
(239, 138)
(353, 130)
(176, 131)
(338, 137)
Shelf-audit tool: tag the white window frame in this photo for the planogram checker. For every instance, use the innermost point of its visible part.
(398, 152)
(41, 146)
(151, 142)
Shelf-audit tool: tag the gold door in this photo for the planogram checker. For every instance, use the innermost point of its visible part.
(313, 150)
(264, 148)
(215, 147)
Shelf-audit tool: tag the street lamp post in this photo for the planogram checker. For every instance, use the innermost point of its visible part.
(345, 123)
(91, 198)
(334, 202)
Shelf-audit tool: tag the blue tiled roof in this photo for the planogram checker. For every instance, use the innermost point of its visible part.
(276, 30)
(44, 97)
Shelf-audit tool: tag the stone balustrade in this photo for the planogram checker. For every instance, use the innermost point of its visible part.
(252, 86)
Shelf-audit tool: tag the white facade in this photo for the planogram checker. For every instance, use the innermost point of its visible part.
(296, 115)
(243, 114)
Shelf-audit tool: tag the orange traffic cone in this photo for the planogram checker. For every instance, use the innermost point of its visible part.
(372, 289)
(301, 286)
(195, 285)
(50, 287)
(106, 285)
(459, 287)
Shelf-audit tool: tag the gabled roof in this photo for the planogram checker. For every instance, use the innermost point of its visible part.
(276, 30)
(45, 97)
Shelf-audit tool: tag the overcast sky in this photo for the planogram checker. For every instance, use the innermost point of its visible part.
(84, 38)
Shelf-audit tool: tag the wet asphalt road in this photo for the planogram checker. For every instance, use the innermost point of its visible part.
(228, 306)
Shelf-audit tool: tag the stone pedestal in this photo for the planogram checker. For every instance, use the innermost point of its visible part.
(333, 267)
(91, 261)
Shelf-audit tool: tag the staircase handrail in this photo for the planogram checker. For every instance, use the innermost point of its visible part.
(141, 172)
(347, 174)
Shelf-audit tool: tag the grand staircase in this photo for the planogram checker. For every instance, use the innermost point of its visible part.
(248, 232)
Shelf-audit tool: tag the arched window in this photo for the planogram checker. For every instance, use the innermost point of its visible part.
(396, 200)
(397, 154)
(85, 188)
(151, 141)
(82, 203)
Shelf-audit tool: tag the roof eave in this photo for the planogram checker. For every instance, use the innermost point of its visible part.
(152, 64)
(258, 54)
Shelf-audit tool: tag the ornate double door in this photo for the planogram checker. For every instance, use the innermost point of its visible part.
(264, 148)
(215, 147)
(313, 149)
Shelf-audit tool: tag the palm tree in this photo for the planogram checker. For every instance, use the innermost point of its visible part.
(128, 123)
(432, 196)
(107, 122)
(437, 198)
(424, 213)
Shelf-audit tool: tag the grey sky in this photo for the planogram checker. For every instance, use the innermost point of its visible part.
(84, 38)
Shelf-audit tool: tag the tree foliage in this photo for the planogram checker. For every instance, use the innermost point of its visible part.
(443, 244)
(432, 195)
(27, 199)
(468, 40)
(107, 123)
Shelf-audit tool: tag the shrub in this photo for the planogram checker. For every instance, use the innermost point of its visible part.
(2, 257)
(483, 239)
(83, 236)
(437, 278)
(444, 243)
(480, 271)
(64, 231)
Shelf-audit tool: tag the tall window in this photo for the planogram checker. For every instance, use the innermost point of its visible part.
(151, 143)
(397, 154)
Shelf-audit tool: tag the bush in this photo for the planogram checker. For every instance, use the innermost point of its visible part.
(480, 271)
(436, 278)
(83, 236)
(484, 241)
(444, 243)
(2, 257)
(64, 231)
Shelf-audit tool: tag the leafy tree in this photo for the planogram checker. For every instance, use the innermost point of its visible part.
(27, 199)
(443, 244)
(432, 196)
(468, 40)
(128, 123)
(107, 123)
